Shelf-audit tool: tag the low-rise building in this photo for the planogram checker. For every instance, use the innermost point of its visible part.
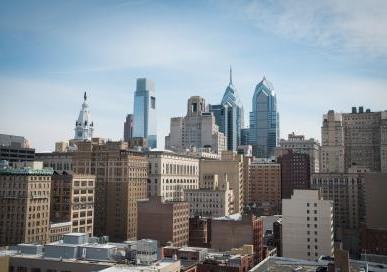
(236, 230)
(164, 221)
(224, 261)
(199, 232)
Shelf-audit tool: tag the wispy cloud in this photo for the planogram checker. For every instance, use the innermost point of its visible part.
(357, 26)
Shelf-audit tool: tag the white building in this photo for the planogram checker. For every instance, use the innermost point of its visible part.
(211, 200)
(197, 129)
(307, 225)
(84, 127)
(170, 174)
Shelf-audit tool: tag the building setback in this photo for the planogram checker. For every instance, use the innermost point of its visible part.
(170, 174)
(196, 130)
(25, 204)
(307, 226)
(229, 168)
(72, 199)
(164, 221)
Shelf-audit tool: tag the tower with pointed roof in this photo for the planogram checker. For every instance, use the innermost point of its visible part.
(229, 115)
(84, 127)
(264, 120)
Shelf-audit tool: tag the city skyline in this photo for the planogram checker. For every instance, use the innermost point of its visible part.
(55, 53)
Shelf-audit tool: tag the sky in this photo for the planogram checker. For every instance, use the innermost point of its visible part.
(319, 55)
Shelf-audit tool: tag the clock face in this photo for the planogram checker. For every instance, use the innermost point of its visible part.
(79, 133)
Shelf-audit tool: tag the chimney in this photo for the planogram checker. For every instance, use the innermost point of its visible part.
(354, 110)
(361, 109)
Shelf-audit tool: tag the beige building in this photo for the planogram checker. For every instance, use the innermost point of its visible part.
(57, 230)
(164, 221)
(121, 179)
(72, 199)
(356, 138)
(307, 226)
(229, 168)
(346, 192)
(170, 174)
(299, 144)
(211, 200)
(25, 204)
(197, 129)
(332, 145)
(59, 161)
(265, 186)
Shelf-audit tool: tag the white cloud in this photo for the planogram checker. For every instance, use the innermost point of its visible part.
(354, 25)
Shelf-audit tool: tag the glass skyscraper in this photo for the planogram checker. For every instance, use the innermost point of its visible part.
(229, 116)
(264, 120)
(145, 125)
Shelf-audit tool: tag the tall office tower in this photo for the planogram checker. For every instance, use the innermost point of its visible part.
(245, 136)
(298, 144)
(265, 186)
(25, 204)
(236, 230)
(307, 226)
(145, 119)
(128, 128)
(121, 180)
(170, 174)
(264, 120)
(72, 200)
(229, 116)
(295, 172)
(163, 221)
(84, 127)
(356, 138)
(228, 168)
(15, 149)
(196, 130)
(346, 191)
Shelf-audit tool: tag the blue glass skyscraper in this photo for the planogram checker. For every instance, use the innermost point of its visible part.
(145, 125)
(229, 116)
(264, 120)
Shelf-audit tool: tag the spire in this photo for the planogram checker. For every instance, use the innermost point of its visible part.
(230, 75)
(84, 96)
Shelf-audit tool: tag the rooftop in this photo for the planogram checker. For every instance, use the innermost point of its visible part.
(231, 217)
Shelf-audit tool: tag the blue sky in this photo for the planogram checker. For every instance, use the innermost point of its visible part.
(319, 55)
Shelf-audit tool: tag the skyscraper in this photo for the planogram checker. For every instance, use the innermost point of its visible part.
(145, 124)
(229, 116)
(264, 120)
(84, 127)
(128, 128)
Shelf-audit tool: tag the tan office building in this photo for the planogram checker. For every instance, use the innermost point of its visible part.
(265, 186)
(229, 168)
(72, 199)
(164, 221)
(25, 204)
(121, 179)
(170, 174)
